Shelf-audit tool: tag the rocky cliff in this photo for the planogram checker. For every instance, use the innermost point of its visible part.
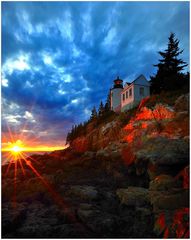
(124, 178)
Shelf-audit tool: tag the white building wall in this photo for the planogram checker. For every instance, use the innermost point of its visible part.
(136, 97)
(128, 100)
(139, 97)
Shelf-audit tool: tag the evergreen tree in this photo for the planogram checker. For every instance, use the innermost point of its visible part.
(101, 109)
(168, 76)
(107, 106)
(93, 114)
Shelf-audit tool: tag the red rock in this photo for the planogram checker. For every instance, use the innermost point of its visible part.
(143, 102)
(166, 233)
(128, 155)
(184, 175)
(80, 145)
(180, 222)
(177, 227)
(160, 224)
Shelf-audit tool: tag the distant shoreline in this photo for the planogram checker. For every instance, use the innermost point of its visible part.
(5, 157)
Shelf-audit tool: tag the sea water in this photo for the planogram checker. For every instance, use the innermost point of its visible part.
(6, 156)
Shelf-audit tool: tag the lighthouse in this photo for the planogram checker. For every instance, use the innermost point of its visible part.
(115, 94)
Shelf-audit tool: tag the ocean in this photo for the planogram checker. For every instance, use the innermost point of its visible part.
(5, 156)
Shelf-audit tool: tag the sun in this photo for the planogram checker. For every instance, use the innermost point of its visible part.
(16, 149)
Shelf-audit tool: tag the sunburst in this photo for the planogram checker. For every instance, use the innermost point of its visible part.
(16, 153)
(16, 149)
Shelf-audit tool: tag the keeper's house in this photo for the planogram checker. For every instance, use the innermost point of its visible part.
(128, 96)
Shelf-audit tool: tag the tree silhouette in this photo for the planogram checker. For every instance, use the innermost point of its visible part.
(93, 114)
(101, 109)
(169, 76)
(108, 103)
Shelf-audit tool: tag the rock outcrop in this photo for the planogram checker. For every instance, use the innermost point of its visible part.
(120, 180)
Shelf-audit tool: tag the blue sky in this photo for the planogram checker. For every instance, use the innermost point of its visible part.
(59, 58)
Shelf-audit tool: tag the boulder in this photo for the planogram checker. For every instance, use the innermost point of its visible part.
(105, 129)
(164, 151)
(102, 154)
(85, 206)
(182, 103)
(163, 182)
(133, 196)
(181, 115)
(13, 215)
(89, 155)
(34, 185)
(83, 192)
(143, 223)
(40, 220)
(184, 177)
(169, 200)
(68, 231)
(34, 231)
(98, 221)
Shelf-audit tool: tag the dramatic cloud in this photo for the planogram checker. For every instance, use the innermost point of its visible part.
(59, 58)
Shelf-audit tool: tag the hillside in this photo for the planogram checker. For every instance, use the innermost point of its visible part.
(126, 176)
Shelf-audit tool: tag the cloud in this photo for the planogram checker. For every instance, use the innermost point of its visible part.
(5, 82)
(20, 64)
(59, 58)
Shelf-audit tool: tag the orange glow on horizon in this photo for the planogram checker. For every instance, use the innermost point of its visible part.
(18, 146)
(32, 149)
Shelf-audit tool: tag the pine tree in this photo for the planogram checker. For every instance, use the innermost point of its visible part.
(93, 114)
(101, 109)
(168, 76)
(107, 106)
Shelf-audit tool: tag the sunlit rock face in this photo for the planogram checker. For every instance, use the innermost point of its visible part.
(159, 112)
(160, 120)
(80, 144)
(97, 137)
(148, 122)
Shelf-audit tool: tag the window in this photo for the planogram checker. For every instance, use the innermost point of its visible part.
(130, 92)
(123, 96)
(141, 91)
(127, 94)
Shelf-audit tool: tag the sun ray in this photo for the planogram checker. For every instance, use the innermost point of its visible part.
(7, 156)
(34, 160)
(17, 157)
(24, 156)
(58, 199)
(23, 170)
(8, 167)
(15, 185)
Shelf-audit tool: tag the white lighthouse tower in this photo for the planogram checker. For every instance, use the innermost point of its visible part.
(115, 94)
